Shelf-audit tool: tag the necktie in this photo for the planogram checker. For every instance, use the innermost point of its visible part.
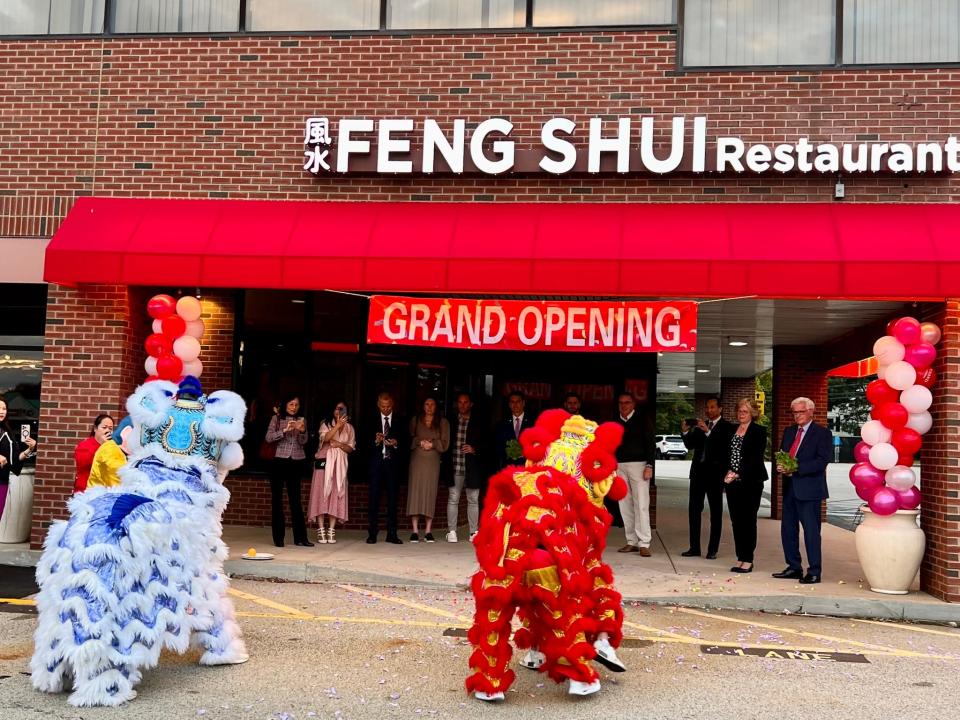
(796, 442)
(516, 428)
(386, 435)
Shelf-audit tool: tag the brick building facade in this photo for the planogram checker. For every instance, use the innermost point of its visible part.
(222, 117)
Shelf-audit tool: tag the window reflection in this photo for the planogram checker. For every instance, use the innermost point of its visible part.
(51, 17)
(452, 14)
(265, 15)
(901, 31)
(149, 16)
(569, 13)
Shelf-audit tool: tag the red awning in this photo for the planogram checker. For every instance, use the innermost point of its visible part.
(835, 250)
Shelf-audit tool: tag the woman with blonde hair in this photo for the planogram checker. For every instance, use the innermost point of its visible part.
(744, 482)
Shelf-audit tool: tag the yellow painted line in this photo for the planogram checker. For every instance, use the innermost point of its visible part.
(906, 626)
(286, 609)
(406, 603)
(352, 620)
(664, 633)
(18, 601)
(815, 636)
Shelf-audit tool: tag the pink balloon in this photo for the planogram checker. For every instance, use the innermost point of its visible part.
(900, 375)
(909, 498)
(921, 422)
(150, 365)
(930, 333)
(866, 493)
(883, 456)
(888, 350)
(900, 478)
(861, 452)
(907, 330)
(865, 475)
(921, 355)
(915, 399)
(195, 328)
(188, 307)
(157, 326)
(193, 367)
(884, 502)
(188, 348)
(874, 432)
(882, 372)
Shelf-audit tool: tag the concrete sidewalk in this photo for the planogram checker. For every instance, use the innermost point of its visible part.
(665, 578)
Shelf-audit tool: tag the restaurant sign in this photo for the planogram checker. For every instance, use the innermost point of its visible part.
(404, 146)
(561, 326)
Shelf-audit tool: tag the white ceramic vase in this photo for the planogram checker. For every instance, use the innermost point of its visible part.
(890, 550)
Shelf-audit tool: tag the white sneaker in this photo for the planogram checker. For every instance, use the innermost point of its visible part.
(607, 656)
(582, 688)
(533, 659)
(488, 697)
(472, 536)
(452, 536)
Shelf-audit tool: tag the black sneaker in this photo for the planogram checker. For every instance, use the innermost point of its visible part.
(414, 538)
(428, 538)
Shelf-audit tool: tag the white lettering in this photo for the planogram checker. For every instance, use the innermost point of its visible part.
(554, 144)
(575, 327)
(399, 331)
(828, 158)
(699, 143)
(533, 339)
(901, 158)
(387, 145)
(605, 329)
(876, 156)
(647, 157)
(804, 148)
(470, 321)
(952, 149)
(858, 165)
(503, 149)
(758, 158)
(784, 158)
(434, 140)
(418, 321)
(932, 152)
(598, 144)
(639, 327)
(489, 313)
(442, 324)
(346, 145)
(554, 323)
(667, 327)
(729, 152)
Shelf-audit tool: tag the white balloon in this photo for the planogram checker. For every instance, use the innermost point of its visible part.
(916, 399)
(186, 347)
(157, 326)
(883, 456)
(888, 350)
(921, 422)
(882, 371)
(195, 328)
(900, 375)
(900, 478)
(875, 432)
(188, 307)
(150, 365)
(193, 367)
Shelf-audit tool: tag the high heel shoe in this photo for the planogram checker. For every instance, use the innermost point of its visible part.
(738, 569)
(322, 535)
(331, 535)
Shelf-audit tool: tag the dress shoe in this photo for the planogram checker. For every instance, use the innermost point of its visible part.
(371, 539)
(711, 556)
(629, 549)
(788, 574)
(809, 579)
(644, 552)
(279, 544)
(394, 540)
(690, 553)
(304, 543)
(738, 569)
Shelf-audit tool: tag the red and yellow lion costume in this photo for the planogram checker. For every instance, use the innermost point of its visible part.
(540, 548)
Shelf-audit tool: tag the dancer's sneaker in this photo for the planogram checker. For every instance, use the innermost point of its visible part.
(607, 656)
(533, 659)
(582, 688)
(488, 697)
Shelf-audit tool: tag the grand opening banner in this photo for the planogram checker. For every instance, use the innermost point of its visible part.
(561, 326)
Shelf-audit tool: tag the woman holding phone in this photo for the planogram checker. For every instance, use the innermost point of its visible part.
(328, 490)
(13, 452)
(288, 430)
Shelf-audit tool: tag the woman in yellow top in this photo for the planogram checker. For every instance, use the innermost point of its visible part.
(110, 457)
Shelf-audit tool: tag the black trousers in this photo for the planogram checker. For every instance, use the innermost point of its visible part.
(797, 514)
(712, 489)
(285, 472)
(743, 499)
(383, 477)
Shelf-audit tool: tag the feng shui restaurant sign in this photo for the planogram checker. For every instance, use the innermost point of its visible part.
(561, 326)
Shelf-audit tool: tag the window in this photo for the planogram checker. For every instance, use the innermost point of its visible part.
(313, 15)
(51, 17)
(726, 33)
(901, 31)
(570, 13)
(172, 16)
(452, 14)
(21, 352)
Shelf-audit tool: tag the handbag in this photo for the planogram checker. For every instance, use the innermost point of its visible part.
(268, 450)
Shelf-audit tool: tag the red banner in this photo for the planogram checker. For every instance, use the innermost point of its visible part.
(552, 325)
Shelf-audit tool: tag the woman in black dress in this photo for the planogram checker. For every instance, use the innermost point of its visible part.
(744, 482)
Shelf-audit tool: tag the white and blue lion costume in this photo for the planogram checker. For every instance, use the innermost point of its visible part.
(139, 567)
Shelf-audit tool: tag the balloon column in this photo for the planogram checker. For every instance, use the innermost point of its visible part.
(900, 416)
(174, 347)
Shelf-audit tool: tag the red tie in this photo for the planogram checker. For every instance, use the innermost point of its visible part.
(796, 442)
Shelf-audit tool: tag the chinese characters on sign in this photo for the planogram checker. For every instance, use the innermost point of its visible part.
(317, 143)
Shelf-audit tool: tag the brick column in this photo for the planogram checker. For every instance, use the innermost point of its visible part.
(797, 372)
(732, 391)
(940, 457)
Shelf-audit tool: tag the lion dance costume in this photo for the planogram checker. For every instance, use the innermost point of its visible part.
(540, 549)
(139, 567)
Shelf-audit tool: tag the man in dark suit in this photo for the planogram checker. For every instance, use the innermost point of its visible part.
(710, 441)
(386, 460)
(510, 428)
(467, 471)
(804, 491)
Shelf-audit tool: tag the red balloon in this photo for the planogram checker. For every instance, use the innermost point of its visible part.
(907, 441)
(161, 306)
(157, 345)
(173, 326)
(905, 460)
(151, 378)
(890, 326)
(865, 493)
(861, 452)
(892, 414)
(878, 393)
(907, 330)
(909, 499)
(926, 377)
(169, 367)
(920, 355)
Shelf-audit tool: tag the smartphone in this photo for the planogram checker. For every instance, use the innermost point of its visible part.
(24, 433)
